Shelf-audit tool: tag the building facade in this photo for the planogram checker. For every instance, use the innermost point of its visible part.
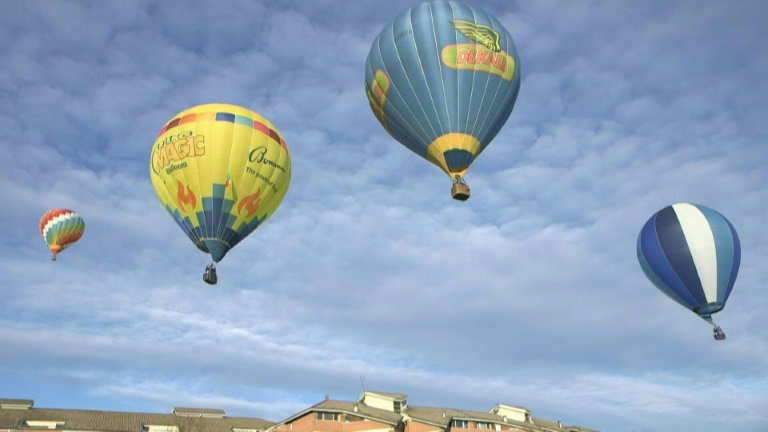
(390, 412)
(371, 412)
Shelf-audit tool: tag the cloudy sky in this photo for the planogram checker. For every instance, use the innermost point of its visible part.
(528, 294)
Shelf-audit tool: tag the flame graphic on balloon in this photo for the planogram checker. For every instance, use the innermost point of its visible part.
(185, 197)
(251, 203)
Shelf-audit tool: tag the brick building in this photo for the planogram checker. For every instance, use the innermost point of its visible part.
(372, 412)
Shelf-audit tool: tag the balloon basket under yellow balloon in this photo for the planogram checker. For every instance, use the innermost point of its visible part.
(460, 191)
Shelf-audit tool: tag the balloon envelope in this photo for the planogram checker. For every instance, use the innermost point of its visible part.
(220, 171)
(60, 229)
(692, 254)
(442, 78)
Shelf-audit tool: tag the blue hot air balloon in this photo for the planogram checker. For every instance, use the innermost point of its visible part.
(442, 78)
(692, 254)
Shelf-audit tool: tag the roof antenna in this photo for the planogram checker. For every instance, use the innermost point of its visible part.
(362, 382)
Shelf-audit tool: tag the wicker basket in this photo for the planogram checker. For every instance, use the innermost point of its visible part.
(460, 191)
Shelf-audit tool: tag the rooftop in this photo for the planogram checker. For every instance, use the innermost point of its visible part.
(186, 420)
(20, 414)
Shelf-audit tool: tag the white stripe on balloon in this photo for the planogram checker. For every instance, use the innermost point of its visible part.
(701, 243)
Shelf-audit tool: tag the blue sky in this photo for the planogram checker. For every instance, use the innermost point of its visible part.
(528, 294)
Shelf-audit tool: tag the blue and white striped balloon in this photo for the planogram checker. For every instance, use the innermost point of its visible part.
(692, 254)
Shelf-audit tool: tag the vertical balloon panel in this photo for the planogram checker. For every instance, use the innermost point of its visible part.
(727, 252)
(220, 171)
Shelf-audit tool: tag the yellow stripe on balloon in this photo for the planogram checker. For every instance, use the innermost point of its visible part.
(451, 141)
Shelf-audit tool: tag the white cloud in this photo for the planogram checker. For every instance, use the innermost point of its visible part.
(528, 294)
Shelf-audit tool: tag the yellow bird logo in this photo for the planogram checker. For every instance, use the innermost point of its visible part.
(479, 33)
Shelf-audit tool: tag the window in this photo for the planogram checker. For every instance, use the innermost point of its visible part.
(464, 424)
(159, 428)
(328, 416)
(43, 424)
(397, 406)
(483, 425)
(352, 418)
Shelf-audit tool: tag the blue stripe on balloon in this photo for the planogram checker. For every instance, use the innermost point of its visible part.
(723, 248)
(434, 76)
(675, 246)
(736, 261)
(469, 96)
(658, 282)
(406, 76)
(227, 117)
(457, 159)
(659, 270)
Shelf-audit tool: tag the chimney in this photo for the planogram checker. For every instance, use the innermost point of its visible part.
(443, 413)
(327, 397)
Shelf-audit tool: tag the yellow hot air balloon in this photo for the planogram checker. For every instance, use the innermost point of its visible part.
(220, 171)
